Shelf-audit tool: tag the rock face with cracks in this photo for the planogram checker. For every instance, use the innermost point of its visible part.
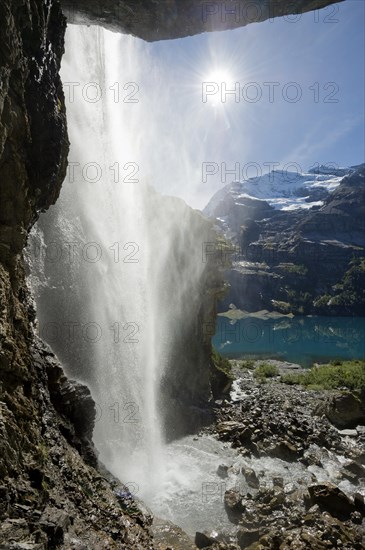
(166, 19)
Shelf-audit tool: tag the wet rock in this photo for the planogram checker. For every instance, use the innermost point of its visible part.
(356, 517)
(359, 503)
(348, 433)
(284, 450)
(277, 501)
(278, 482)
(203, 540)
(73, 401)
(222, 471)
(245, 436)
(228, 427)
(353, 472)
(331, 498)
(293, 518)
(251, 478)
(246, 537)
(233, 505)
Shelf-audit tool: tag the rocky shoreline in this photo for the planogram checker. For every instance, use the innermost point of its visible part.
(318, 501)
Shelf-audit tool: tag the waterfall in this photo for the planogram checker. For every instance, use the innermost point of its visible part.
(116, 268)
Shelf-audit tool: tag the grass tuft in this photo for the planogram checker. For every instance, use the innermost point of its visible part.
(334, 375)
(265, 370)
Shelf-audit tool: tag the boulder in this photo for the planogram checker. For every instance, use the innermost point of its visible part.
(245, 436)
(55, 523)
(246, 537)
(233, 505)
(344, 409)
(228, 428)
(332, 499)
(353, 471)
(251, 478)
(283, 450)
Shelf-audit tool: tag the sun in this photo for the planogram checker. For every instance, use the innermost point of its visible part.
(214, 82)
(219, 76)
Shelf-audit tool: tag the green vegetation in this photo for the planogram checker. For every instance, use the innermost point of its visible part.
(225, 250)
(221, 376)
(42, 453)
(334, 375)
(265, 370)
(322, 301)
(300, 301)
(221, 363)
(248, 364)
(352, 287)
(349, 294)
(298, 269)
(282, 307)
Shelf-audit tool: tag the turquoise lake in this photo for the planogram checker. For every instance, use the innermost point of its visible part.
(301, 340)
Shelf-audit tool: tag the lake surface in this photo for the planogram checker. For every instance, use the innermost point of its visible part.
(301, 340)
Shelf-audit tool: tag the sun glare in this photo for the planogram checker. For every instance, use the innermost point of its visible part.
(214, 82)
(219, 75)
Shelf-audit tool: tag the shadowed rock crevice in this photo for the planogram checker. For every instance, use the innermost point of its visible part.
(165, 19)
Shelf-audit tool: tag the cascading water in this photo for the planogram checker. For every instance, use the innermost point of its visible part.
(121, 300)
(116, 267)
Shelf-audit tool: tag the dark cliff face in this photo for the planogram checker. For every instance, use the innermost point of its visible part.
(33, 138)
(50, 487)
(165, 19)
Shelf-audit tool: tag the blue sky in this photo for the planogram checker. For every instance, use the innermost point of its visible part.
(322, 54)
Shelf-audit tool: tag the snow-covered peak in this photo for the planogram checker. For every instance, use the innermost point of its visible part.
(282, 190)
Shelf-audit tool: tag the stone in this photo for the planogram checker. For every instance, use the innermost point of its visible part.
(348, 433)
(277, 501)
(228, 428)
(203, 540)
(278, 482)
(14, 529)
(245, 436)
(345, 410)
(251, 478)
(283, 450)
(332, 499)
(55, 523)
(246, 537)
(222, 471)
(353, 471)
(359, 503)
(233, 505)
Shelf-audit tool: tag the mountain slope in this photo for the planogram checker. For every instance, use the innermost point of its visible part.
(296, 243)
